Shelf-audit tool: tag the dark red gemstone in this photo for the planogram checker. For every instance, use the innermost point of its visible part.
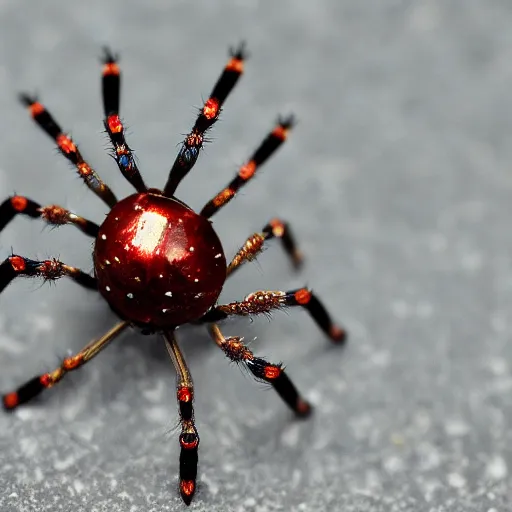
(158, 262)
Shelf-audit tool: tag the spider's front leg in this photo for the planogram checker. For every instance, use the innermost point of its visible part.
(189, 439)
(206, 118)
(111, 90)
(68, 148)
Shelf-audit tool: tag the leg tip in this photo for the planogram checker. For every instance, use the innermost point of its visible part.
(187, 490)
(304, 409)
(10, 401)
(337, 334)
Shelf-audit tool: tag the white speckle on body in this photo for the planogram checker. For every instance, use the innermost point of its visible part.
(192, 249)
(218, 255)
(107, 288)
(129, 295)
(168, 294)
(103, 237)
(196, 280)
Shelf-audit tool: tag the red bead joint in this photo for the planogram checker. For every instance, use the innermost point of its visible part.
(110, 68)
(66, 145)
(46, 380)
(302, 296)
(211, 108)
(19, 203)
(189, 440)
(185, 394)
(247, 171)
(36, 109)
(114, 124)
(187, 490)
(11, 400)
(18, 263)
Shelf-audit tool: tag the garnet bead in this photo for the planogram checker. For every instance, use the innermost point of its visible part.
(158, 263)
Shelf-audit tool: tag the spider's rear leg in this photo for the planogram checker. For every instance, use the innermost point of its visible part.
(189, 439)
(53, 214)
(36, 385)
(68, 148)
(274, 374)
(267, 301)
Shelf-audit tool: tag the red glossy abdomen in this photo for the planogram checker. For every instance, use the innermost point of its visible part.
(157, 262)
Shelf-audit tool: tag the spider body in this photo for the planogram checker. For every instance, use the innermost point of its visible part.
(158, 263)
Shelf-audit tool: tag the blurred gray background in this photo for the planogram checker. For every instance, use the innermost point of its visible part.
(398, 182)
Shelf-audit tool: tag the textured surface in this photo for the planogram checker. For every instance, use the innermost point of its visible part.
(398, 182)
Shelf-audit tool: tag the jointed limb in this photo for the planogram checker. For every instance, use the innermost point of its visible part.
(268, 301)
(52, 214)
(189, 439)
(123, 155)
(274, 374)
(193, 142)
(276, 228)
(35, 386)
(49, 270)
(68, 148)
(264, 151)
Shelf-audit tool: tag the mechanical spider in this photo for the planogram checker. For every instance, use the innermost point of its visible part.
(159, 264)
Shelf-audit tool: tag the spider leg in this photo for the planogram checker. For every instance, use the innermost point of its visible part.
(123, 155)
(68, 148)
(276, 228)
(189, 152)
(49, 270)
(53, 214)
(264, 151)
(274, 374)
(189, 439)
(35, 386)
(268, 301)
